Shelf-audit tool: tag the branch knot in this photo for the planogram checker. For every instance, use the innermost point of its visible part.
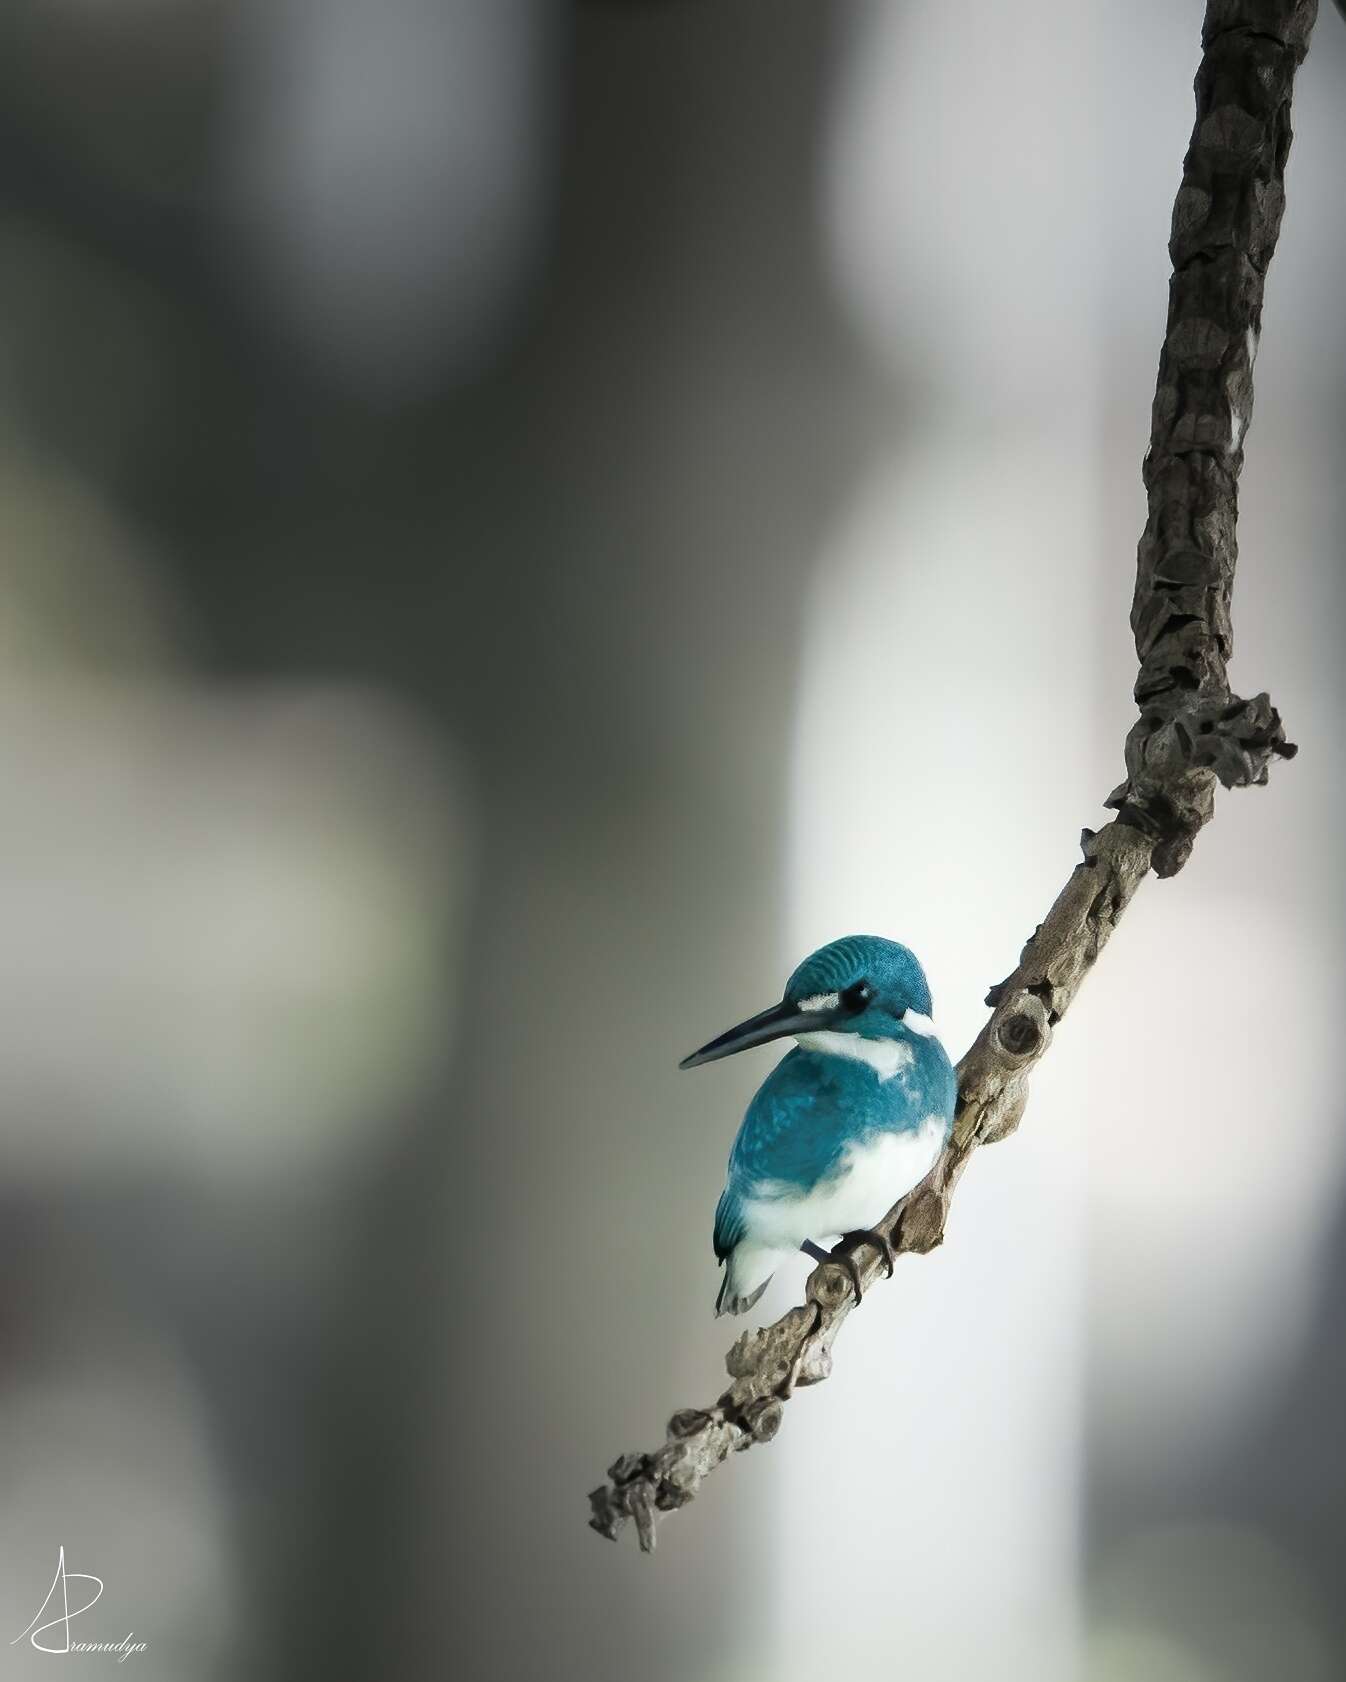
(1174, 757)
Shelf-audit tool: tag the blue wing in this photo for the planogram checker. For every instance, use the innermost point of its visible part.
(812, 1106)
(729, 1222)
(803, 1116)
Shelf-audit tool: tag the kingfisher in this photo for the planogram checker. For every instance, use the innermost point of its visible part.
(843, 1126)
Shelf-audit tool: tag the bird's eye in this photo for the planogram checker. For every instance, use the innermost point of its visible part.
(856, 997)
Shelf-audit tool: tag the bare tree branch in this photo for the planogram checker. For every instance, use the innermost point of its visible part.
(1191, 733)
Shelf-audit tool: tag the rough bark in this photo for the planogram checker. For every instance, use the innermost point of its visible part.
(1191, 732)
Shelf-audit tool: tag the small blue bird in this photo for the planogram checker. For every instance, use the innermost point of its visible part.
(843, 1126)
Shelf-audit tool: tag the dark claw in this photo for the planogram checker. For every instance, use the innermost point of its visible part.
(851, 1241)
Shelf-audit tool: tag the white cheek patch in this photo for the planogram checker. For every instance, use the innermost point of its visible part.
(918, 1024)
(821, 1001)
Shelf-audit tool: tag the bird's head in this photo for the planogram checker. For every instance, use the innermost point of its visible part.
(860, 985)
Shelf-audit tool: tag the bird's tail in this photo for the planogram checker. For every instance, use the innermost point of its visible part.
(744, 1279)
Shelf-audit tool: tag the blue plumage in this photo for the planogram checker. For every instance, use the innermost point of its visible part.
(844, 1125)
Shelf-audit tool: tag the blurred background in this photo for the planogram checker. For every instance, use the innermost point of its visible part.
(516, 523)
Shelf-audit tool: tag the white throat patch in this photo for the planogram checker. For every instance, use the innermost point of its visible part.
(886, 1057)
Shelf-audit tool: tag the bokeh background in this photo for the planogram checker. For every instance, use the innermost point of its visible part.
(517, 522)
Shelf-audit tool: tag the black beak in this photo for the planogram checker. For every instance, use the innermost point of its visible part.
(772, 1024)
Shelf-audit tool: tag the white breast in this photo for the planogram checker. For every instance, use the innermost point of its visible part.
(871, 1178)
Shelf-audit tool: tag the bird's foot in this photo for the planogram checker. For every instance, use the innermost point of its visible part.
(843, 1253)
(868, 1235)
